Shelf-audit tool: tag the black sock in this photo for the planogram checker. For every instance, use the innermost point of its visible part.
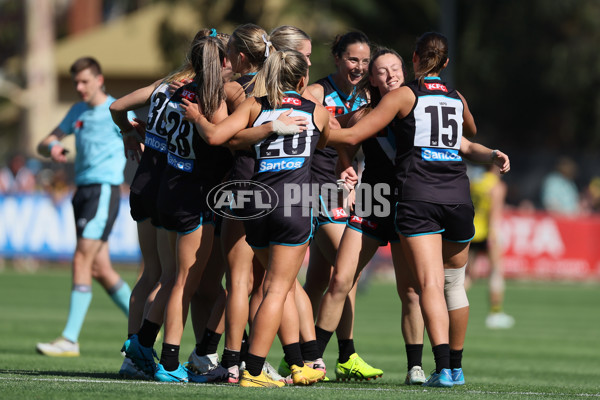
(456, 358)
(310, 350)
(148, 333)
(441, 353)
(169, 357)
(346, 349)
(414, 355)
(209, 343)
(254, 364)
(230, 358)
(245, 344)
(293, 354)
(323, 337)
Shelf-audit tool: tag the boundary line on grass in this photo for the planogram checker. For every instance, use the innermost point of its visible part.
(380, 389)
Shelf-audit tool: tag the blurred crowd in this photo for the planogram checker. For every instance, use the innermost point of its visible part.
(22, 175)
(558, 194)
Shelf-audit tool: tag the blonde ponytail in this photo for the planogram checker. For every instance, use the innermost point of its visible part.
(207, 58)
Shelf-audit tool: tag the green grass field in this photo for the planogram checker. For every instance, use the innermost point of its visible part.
(553, 352)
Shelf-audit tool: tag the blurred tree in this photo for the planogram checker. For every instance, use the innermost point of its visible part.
(532, 70)
(225, 15)
(394, 24)
(11, 34)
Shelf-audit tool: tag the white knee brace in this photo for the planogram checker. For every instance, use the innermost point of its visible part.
(454, 288)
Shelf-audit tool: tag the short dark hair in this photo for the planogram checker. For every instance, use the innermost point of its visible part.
(341, 42)
(84, 63)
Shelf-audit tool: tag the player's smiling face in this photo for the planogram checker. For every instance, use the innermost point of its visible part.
(354, 62)
(386, 73)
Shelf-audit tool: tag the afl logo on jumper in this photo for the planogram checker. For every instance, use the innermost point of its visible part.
(242, 199)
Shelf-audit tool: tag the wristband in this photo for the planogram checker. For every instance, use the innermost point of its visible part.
(52, 144)
(281, 128)
(494, 154)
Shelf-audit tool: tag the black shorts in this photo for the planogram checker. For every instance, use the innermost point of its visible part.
(95, 208)
(145, 186)
(453, 221)
(185, 223)
(144, 207)
(379, 228)
(331, 211)
(278, 228)
(182, 203)
(372, 218)
(218, 222)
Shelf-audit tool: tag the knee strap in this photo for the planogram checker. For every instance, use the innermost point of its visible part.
(454, 288)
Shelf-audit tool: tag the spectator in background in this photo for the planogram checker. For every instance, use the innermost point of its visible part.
(15, 177)
(590, 199)
(559, 193)
(99, 165)
(55, 183)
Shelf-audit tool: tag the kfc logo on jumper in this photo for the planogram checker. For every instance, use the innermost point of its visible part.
(334, 110)
(291, 100)
(188, 94)
(436, 86)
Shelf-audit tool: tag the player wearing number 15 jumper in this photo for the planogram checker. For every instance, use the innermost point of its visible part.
(434, 213)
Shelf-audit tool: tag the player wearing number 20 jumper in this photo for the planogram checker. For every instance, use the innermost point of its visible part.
(284, 160)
